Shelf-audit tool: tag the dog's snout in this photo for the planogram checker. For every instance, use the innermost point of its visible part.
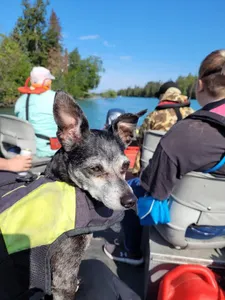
(127, 201)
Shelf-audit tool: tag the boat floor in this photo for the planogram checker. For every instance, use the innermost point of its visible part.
(132, 276)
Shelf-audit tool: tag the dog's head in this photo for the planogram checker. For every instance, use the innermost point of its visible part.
(94, 160)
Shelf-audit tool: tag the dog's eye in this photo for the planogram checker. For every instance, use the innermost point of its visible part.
(97, 169)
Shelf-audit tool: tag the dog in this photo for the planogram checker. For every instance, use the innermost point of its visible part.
(94, 161)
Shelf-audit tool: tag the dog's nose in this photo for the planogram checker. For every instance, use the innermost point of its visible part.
(127, 201)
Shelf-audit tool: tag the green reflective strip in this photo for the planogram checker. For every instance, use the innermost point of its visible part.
(40, 217)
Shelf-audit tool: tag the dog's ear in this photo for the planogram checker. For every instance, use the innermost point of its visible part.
(141, 113)
(72, 124)
(125, 126)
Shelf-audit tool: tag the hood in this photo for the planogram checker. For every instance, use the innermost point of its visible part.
(174, 95)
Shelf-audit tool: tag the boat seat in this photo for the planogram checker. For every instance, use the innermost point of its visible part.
(150, 142)
(197, 199)
(15, 132)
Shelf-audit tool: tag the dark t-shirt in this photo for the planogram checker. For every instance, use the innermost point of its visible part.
(190, 145)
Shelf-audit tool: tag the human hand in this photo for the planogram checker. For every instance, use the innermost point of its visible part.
(19, 163)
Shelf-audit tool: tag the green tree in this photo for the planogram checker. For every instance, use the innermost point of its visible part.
(91, 68)
(30, 31)
(54, 47)
(109, 94)
(14, 69)
(83, 74)
(65, 61)
(54, 33)
(74, 60)
(31, 43)
(78, 76)
(186, 84)
(151, 88)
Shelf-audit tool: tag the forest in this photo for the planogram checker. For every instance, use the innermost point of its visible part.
(185, 83)
(38, 41)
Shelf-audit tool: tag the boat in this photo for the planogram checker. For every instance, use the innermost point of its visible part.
(17, 133)
(164, 246)
(192, 202)
(14, 133)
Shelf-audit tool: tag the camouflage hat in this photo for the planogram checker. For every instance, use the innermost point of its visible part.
(163, 88)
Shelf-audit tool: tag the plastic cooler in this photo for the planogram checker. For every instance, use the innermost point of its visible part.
(190, 282)
(131, 152)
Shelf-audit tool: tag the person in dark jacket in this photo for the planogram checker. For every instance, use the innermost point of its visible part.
(190, 145)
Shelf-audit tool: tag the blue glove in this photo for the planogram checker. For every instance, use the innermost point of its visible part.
(152, 211)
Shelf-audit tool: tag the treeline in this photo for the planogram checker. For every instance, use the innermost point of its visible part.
(109, 94)
(37, 41)
(185, 83)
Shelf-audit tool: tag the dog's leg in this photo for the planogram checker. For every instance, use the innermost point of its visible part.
(65, 265)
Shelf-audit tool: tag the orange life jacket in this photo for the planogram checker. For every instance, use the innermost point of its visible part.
(34, 88)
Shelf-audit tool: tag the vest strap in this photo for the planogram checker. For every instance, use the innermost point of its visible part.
(211, 118)
(41, 136)
(178, 113)
(175, 106)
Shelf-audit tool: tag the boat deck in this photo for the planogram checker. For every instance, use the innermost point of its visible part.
(132, 276)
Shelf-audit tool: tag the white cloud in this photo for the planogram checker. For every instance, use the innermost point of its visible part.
(89, 37)
(126, 57)
(107, 44)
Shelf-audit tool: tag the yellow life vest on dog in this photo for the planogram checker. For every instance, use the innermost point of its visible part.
(40, 217)
(33, 216)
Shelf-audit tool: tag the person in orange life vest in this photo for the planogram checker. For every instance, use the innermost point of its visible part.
(36, 106)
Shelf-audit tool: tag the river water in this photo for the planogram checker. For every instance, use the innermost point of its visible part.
(96, 109)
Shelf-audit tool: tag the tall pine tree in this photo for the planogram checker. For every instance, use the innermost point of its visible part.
(30, 33)
(53, 37)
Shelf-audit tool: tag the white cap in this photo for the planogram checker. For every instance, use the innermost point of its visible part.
(39, 74)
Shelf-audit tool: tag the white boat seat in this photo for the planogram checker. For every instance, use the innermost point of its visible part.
(196, 199)
(150, 142)
(15, 132)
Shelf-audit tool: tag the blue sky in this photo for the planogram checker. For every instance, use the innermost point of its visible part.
(138, 41)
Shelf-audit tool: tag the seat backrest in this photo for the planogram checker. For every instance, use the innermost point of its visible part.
(151, 140)
(196, 199)
(15, 132)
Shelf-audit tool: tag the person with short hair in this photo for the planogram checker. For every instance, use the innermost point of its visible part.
(36, 106)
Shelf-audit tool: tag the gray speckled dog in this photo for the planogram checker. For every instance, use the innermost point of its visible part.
(94, 161)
